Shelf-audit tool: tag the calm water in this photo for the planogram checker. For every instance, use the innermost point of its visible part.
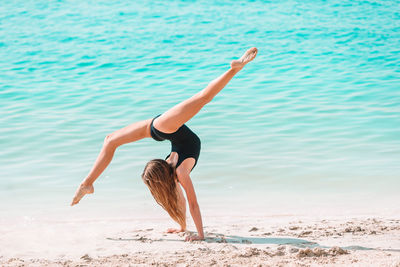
(318, 111)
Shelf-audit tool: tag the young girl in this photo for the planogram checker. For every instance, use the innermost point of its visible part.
(163, 177)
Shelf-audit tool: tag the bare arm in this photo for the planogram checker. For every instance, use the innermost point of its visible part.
(186, 182)
(128, 134)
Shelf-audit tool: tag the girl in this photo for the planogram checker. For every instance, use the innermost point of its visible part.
(163, 177)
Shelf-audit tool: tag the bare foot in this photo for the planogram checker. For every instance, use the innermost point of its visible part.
(173, 230)
(81, 191)
(248, 56)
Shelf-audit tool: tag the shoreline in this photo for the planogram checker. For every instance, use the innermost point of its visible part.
(269, 229)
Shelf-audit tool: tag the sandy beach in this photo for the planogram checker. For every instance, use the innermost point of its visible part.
(265, 241)
(300, 150)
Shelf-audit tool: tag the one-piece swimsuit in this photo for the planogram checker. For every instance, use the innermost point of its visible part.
(183, 141)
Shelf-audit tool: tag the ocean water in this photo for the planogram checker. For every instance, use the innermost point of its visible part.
(317, 113)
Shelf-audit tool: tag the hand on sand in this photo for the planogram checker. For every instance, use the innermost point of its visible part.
(173, 230)
(248, 56)
(193, 238)
(80, 192)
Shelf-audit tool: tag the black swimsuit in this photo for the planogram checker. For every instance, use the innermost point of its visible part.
(184, 142)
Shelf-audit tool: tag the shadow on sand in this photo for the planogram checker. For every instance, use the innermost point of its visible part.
(233, 239)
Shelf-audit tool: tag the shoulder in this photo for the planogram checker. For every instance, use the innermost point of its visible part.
(185, 167)
(183, 171)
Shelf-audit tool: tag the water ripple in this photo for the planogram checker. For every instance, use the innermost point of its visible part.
(320, 102)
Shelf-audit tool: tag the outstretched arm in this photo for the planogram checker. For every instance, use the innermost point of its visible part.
(187, 184)
(128, 134)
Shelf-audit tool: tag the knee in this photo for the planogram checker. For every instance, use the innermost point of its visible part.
(206, 98)
(109, 143)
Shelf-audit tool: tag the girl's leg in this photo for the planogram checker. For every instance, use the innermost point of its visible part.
(128, 134)
(171, 120)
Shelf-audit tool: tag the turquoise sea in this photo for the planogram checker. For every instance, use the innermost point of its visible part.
(316, 114)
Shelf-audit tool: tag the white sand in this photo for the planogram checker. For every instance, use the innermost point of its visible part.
(231, 241)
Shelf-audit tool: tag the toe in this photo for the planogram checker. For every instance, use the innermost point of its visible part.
(252, 52)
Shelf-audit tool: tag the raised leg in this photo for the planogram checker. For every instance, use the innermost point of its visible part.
(171, 120)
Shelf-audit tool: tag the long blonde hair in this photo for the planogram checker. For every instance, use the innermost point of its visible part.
(160, 177)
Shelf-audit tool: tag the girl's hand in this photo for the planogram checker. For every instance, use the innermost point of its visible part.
(193, 237)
